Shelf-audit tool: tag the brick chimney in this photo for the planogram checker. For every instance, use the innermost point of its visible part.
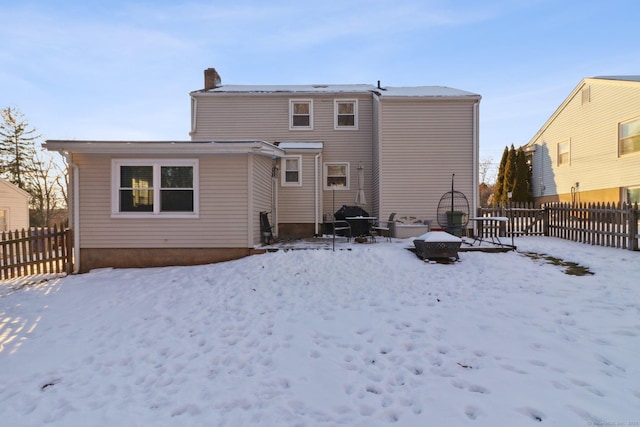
(211, 79)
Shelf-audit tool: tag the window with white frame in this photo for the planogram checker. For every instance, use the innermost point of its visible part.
(301, 114)
(564, 153)
(336, 175)
(633, 195)
(629, 140)
(291, 170)
(154, 187)
(346, 114)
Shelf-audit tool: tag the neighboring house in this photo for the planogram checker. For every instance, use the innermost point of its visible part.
(589, 149)
(14, 207)
(299, 152)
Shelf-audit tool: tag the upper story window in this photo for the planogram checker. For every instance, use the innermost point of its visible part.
(564, 153)
(629, 139)
(336, 175)
(292, 171)
(301, 114)
(151, 188)
(346, 114)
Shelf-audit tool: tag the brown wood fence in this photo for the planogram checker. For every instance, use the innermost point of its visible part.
(36, 251)
(611, 224)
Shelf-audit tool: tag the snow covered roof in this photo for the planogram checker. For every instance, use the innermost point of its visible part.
(168, 147)
(625, 78)
(409, 91)
(317, 88)
(424, 91)
(301, 145)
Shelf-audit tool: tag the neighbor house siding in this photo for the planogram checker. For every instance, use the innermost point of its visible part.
(15, 204)
(422, 144)
(592, 130)
(222, 222)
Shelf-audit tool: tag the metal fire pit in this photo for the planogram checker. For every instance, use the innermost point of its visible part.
(438, 244)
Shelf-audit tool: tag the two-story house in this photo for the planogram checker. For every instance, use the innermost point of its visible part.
(589, 149)
(297, 151)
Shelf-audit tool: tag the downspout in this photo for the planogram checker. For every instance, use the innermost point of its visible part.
(475, 158)
(76, 211)
(316, 194)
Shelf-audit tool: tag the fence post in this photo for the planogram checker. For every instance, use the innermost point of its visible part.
(632, 215)
(545, 220)
(69, 251)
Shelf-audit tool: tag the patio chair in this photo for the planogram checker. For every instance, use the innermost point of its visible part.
(342, 226)
(383, 229)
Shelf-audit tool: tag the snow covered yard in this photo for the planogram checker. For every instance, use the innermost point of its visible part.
(370, 336)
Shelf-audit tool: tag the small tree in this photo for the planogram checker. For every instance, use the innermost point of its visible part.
(522, 182)
(16, 147)
(509, 175)
(22, 165)
(497, 196)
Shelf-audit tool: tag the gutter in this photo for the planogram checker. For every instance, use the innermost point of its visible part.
(315, 199)
(76, 211)
(476, 146)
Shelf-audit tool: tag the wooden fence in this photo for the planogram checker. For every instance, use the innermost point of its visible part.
(610, 224)
(35, 251)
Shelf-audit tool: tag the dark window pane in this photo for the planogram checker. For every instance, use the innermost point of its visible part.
(136, 200)
(301, 121)
(176, 201)
(291, 176)
(136, 176)
(176, 176)
(346, 120)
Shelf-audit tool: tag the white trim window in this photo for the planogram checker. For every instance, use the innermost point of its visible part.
(144, 188)
(291, 171)
(629, 139)
(336, 175)
(345, 114)
(564, 153)
(301, 114)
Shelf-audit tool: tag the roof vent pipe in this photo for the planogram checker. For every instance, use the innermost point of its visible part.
(379, 87)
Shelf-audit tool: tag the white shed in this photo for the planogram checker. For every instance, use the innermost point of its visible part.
(14, 207)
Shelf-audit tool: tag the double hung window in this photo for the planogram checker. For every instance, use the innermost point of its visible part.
(292, 171)
(564, 153)
(346, 114)
(301, 114)
(336, 175)
(148, 187)
(629, 139)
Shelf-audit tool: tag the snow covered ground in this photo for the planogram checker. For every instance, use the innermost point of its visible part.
(370, 336)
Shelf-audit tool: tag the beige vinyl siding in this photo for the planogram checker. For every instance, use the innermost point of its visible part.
(297, 202)
(261, 193)
(15, 204)
(266, 117)
(422, 143)
(592, 128)
(222, 222)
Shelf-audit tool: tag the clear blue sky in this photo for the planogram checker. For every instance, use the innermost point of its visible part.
(124, 69)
